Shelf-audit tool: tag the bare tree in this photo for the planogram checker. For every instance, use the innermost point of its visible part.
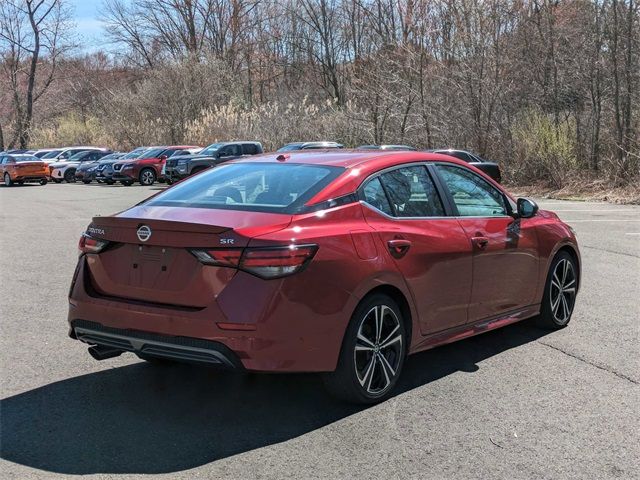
(34, 34)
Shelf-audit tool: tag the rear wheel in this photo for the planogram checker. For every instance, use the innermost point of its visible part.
(559, 292)
(70, 176)
(126, 183)
(7, 180)
(86, 182)
(109, 182)
(373, 352)
(43, 181)
(56, 180)
(147, 176)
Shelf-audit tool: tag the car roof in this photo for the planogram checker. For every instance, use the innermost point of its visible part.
(359, 163)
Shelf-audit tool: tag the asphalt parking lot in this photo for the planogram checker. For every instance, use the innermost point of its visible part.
(514, 403)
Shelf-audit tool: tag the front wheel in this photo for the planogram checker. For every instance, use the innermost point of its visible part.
(7, 180)
(70, 176)
(559, 292)
(373, 353)
(86, 182)
(127, 183)
(147, 177)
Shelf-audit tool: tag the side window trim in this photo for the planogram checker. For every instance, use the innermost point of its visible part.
(449, 197)
(443, 193)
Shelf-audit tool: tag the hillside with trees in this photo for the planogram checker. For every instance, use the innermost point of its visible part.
(550, 89)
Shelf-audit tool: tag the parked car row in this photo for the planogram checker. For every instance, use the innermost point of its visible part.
(166, 163)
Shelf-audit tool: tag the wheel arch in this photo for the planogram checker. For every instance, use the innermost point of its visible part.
(398, 296)
(570, 249)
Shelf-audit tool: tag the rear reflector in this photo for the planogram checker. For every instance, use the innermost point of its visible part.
(264, 262)
(88, 244)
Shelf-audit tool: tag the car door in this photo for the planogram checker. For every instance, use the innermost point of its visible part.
(505, 258)
(429, 248)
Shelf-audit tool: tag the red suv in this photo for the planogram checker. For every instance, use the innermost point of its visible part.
(148, 168)
(337, 262)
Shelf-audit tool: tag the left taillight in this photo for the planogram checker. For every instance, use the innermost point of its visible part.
(264, 262)
(89, 244)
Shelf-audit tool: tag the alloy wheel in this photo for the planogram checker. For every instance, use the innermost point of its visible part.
(378, 350)
(147, 177)
(7, 180)
(562, 291)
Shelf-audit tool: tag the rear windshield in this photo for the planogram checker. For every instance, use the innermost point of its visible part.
(25, 158)
(261, 187)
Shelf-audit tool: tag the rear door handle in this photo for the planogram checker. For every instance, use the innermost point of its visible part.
(399, 247)
(480, 242)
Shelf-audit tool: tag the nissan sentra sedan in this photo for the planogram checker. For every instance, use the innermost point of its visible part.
(339, 262)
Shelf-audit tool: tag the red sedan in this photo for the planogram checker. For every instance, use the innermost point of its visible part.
(337, 262)
(147, 168)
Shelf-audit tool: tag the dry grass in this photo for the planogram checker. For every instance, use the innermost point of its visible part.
(583, 190)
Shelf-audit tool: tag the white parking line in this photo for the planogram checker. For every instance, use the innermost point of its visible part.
(632, 233)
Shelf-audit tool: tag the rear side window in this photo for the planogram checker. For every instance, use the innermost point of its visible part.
(473, 196)
(374, 195)
(412, 192)
(266, 187)
(250, 149)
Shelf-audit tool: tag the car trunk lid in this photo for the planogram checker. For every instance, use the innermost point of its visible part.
(149, 259)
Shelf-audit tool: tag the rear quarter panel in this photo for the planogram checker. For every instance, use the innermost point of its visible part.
(324, 296)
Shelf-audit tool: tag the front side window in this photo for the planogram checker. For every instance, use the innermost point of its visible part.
(472, 196)
(412, 192)
(266, 187)
(230, 151)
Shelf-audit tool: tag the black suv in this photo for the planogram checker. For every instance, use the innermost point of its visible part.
(490, 168)
(179, 167)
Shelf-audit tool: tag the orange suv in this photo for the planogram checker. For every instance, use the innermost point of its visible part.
(21, 168)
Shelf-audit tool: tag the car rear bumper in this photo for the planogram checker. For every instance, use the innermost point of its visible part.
(29, 178)
(155, 345)
(269, 333)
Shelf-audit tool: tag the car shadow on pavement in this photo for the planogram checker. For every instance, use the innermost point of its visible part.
(148, 419)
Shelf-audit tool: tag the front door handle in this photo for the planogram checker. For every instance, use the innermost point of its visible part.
(398, 247)
(480, 242)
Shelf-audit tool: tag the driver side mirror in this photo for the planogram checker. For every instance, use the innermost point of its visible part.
(527, 208)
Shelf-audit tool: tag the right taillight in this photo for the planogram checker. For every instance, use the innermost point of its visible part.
(88, 244)
(264, 262)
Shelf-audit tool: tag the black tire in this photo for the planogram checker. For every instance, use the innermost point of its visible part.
(169, 181)
(126, 183)
(44, 181)
(56, 180)
(86, 182)
(560, 291)
(70, 176)
(7, 180)
(109, 182)
(147, 177)
(368, 371)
